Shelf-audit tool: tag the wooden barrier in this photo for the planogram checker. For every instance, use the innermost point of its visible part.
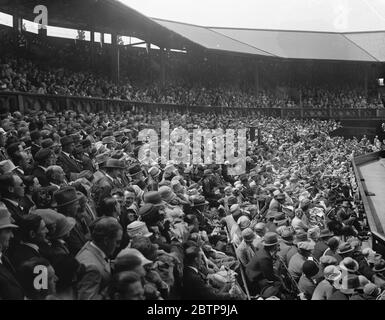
(378, 237)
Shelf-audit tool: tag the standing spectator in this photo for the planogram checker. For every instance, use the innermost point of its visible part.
(246, 251)
(10, 289)
(12, 191)
(306, 283)
(106, 236)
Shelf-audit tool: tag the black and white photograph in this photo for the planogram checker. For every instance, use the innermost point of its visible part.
(211, 150)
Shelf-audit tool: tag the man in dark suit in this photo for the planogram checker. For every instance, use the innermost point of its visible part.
(33, 242)
(106, 236)
(11, 192)
(103, 187)
(260, 270)
(66, 159)
(44, 158)
(36, 142)
(10, 289)
(86, 158)
(195, 286)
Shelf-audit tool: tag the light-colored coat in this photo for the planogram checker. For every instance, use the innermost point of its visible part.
(97, 275)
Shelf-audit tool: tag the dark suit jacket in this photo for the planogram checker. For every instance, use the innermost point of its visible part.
(195, 287)
(69, 165)
(40, 174)
(10, 289)
(260, 268)
(20, 253)
(319, 249)
(15, 211)
(34, 149)
(77, 238)
(87, 163)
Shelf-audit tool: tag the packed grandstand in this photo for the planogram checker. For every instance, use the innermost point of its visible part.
(110, 222)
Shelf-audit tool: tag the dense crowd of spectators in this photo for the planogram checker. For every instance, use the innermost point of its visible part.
(106, 221)
(25, 76)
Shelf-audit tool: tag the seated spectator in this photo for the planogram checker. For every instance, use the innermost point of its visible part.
(33, 244)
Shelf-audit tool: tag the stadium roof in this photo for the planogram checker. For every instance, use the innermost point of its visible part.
(368, 46)
(114, 16)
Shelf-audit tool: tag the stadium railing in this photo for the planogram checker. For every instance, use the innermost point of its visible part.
(20, 101)
(376, 229)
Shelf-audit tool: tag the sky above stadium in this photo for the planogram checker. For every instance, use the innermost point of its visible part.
(312, 15)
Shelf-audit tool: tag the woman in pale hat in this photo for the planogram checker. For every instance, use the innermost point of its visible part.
(325, 288)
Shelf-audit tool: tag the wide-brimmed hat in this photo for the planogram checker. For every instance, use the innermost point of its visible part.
(65, 196)
(66, 140)
(7, 166)
(43, 154)
(270, 239)
(300, 236)
(306, 245)
(114, 164)
(348, 284)
(345, 248)
(260, 226)
(287, 236)
(328, 260)
(326, 233)
(332, 273)
(62, 225)
(243, 222)
(49, 143)
(280, 219)
(154, 198)
(149, 213)
(138, 228)
(6, 220)
(132, 252)
(349, 264)
(379, 265)
(248, 234)
(198, 201)
(167, 194)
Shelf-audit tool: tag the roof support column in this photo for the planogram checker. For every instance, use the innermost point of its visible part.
(366, 80)
(115, 55)
(163, 53)
(256, 77)
(17, 22)
(92, 47)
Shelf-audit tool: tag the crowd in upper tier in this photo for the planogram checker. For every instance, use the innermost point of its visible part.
(20, 75)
